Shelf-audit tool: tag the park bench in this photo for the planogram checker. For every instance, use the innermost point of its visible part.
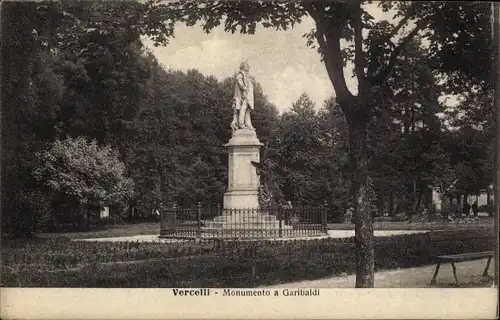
(459, 257)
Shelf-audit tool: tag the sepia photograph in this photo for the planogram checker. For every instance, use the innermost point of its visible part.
(250, 148)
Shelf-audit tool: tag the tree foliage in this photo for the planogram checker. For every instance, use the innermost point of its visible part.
(311, 155)
(84, 171)
(30, 94)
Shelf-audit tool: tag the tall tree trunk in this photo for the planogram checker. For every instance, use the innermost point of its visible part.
(412, 110)
(391, 205)
(83, 217)
(406, 121)
(412, 203)
(466, 205)
(380, 203)
(130, 212)
(357, 113)
(418, 197)
(362, 194)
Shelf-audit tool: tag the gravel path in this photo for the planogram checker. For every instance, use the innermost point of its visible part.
(331, 234)
(469, 274)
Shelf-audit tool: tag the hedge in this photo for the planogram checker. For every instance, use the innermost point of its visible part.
(237, 264)
(62, 253)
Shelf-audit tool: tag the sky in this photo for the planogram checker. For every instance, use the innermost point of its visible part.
(279, 60)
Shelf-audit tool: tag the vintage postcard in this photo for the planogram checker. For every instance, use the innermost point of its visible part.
(249, 159)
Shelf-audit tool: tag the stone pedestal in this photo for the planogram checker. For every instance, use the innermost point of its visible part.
(243, 181)
(242, 217)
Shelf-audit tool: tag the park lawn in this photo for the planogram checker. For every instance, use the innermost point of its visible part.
(148, 228)
(61, 262)
(120, 230)
(484, 222)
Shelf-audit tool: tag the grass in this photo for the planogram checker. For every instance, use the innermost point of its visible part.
(404, 225)
(62, 254)
(123, 230)
(60, 262)
(54, 260)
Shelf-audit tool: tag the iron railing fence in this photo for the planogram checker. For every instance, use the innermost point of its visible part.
(208, 222)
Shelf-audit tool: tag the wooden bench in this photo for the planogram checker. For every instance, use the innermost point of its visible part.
(452, 258)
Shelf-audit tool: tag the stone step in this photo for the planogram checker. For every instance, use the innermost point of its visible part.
(245, 225)
(255, 234)
(250, 233)
(245, 217)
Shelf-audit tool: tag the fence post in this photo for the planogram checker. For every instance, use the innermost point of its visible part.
(324, 216)
(199, 219)
(163, 220)
(168, 221)
(175, 216)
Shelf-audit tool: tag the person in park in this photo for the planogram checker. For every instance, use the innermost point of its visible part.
(474, 208)
(451, 212)
(243, 101)
(287, 205)
(156, 214)
(466, 208)
(454, 208)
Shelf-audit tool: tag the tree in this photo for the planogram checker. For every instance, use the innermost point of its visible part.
(303, 161)
(334, 142)
(372, 59)
(85, 173)
(404, 138)
(309, 155)
(461, 45)
(31, 92)
(46, 53)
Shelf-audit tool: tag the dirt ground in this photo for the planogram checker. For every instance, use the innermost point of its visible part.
(469, 274)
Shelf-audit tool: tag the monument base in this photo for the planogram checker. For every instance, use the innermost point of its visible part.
(243, 180)
(241, 199)
(247, 224)
(242, 217)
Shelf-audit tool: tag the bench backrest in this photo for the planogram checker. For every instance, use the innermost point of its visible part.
(460, 234)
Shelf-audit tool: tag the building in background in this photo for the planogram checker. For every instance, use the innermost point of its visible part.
(104, 212)
(484, 198)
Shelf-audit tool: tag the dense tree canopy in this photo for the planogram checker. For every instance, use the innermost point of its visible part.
(311, 156)
(79, 69)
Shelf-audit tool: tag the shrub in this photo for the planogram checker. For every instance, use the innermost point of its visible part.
(87, 174)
